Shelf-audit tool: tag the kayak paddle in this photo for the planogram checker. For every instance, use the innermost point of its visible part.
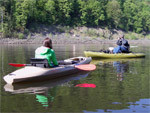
(19, 65)
(86, 67)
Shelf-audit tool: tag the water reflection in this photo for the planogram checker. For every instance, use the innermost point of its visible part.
(123, 83)
(47, 98)
(121, 67)
(86, 85)
(110, 95)
(44, 91)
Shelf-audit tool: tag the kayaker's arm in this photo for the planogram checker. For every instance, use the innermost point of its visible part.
(54, 60)
(119, 42)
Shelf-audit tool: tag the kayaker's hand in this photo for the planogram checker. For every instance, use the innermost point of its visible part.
(119, 38)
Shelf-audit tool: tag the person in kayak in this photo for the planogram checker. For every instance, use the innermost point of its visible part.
(123, 45)
(47, 52)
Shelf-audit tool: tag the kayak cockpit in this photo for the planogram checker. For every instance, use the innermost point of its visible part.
(40, 62)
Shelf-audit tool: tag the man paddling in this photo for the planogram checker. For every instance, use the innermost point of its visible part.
(123, 45)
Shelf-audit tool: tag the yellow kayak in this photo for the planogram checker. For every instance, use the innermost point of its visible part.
(108, 55)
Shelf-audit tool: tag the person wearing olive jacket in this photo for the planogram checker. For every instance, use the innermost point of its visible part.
(47, 52)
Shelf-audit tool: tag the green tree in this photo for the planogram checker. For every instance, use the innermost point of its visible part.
(21, 14)
(129, 15)
(130, 12)
(64, 9)
(32, 15)
(7, 20)
(137, 16)
(146, 20)
(75, 14)
(143, 19)
(40, 13)
(114, 13)
(91, 12)
(50, 8)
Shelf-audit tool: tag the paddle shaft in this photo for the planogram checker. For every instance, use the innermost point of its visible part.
(84, 67)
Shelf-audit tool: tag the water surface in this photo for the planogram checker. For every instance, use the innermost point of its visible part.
(121, 85)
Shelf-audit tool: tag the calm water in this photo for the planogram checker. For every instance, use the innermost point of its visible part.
(121, 85)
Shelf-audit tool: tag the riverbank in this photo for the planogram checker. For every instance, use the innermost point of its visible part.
(71, 41)
(78, 35)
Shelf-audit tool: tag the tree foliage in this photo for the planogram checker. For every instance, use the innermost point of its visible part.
(128, 15)
(114, 13)
(92, 12)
